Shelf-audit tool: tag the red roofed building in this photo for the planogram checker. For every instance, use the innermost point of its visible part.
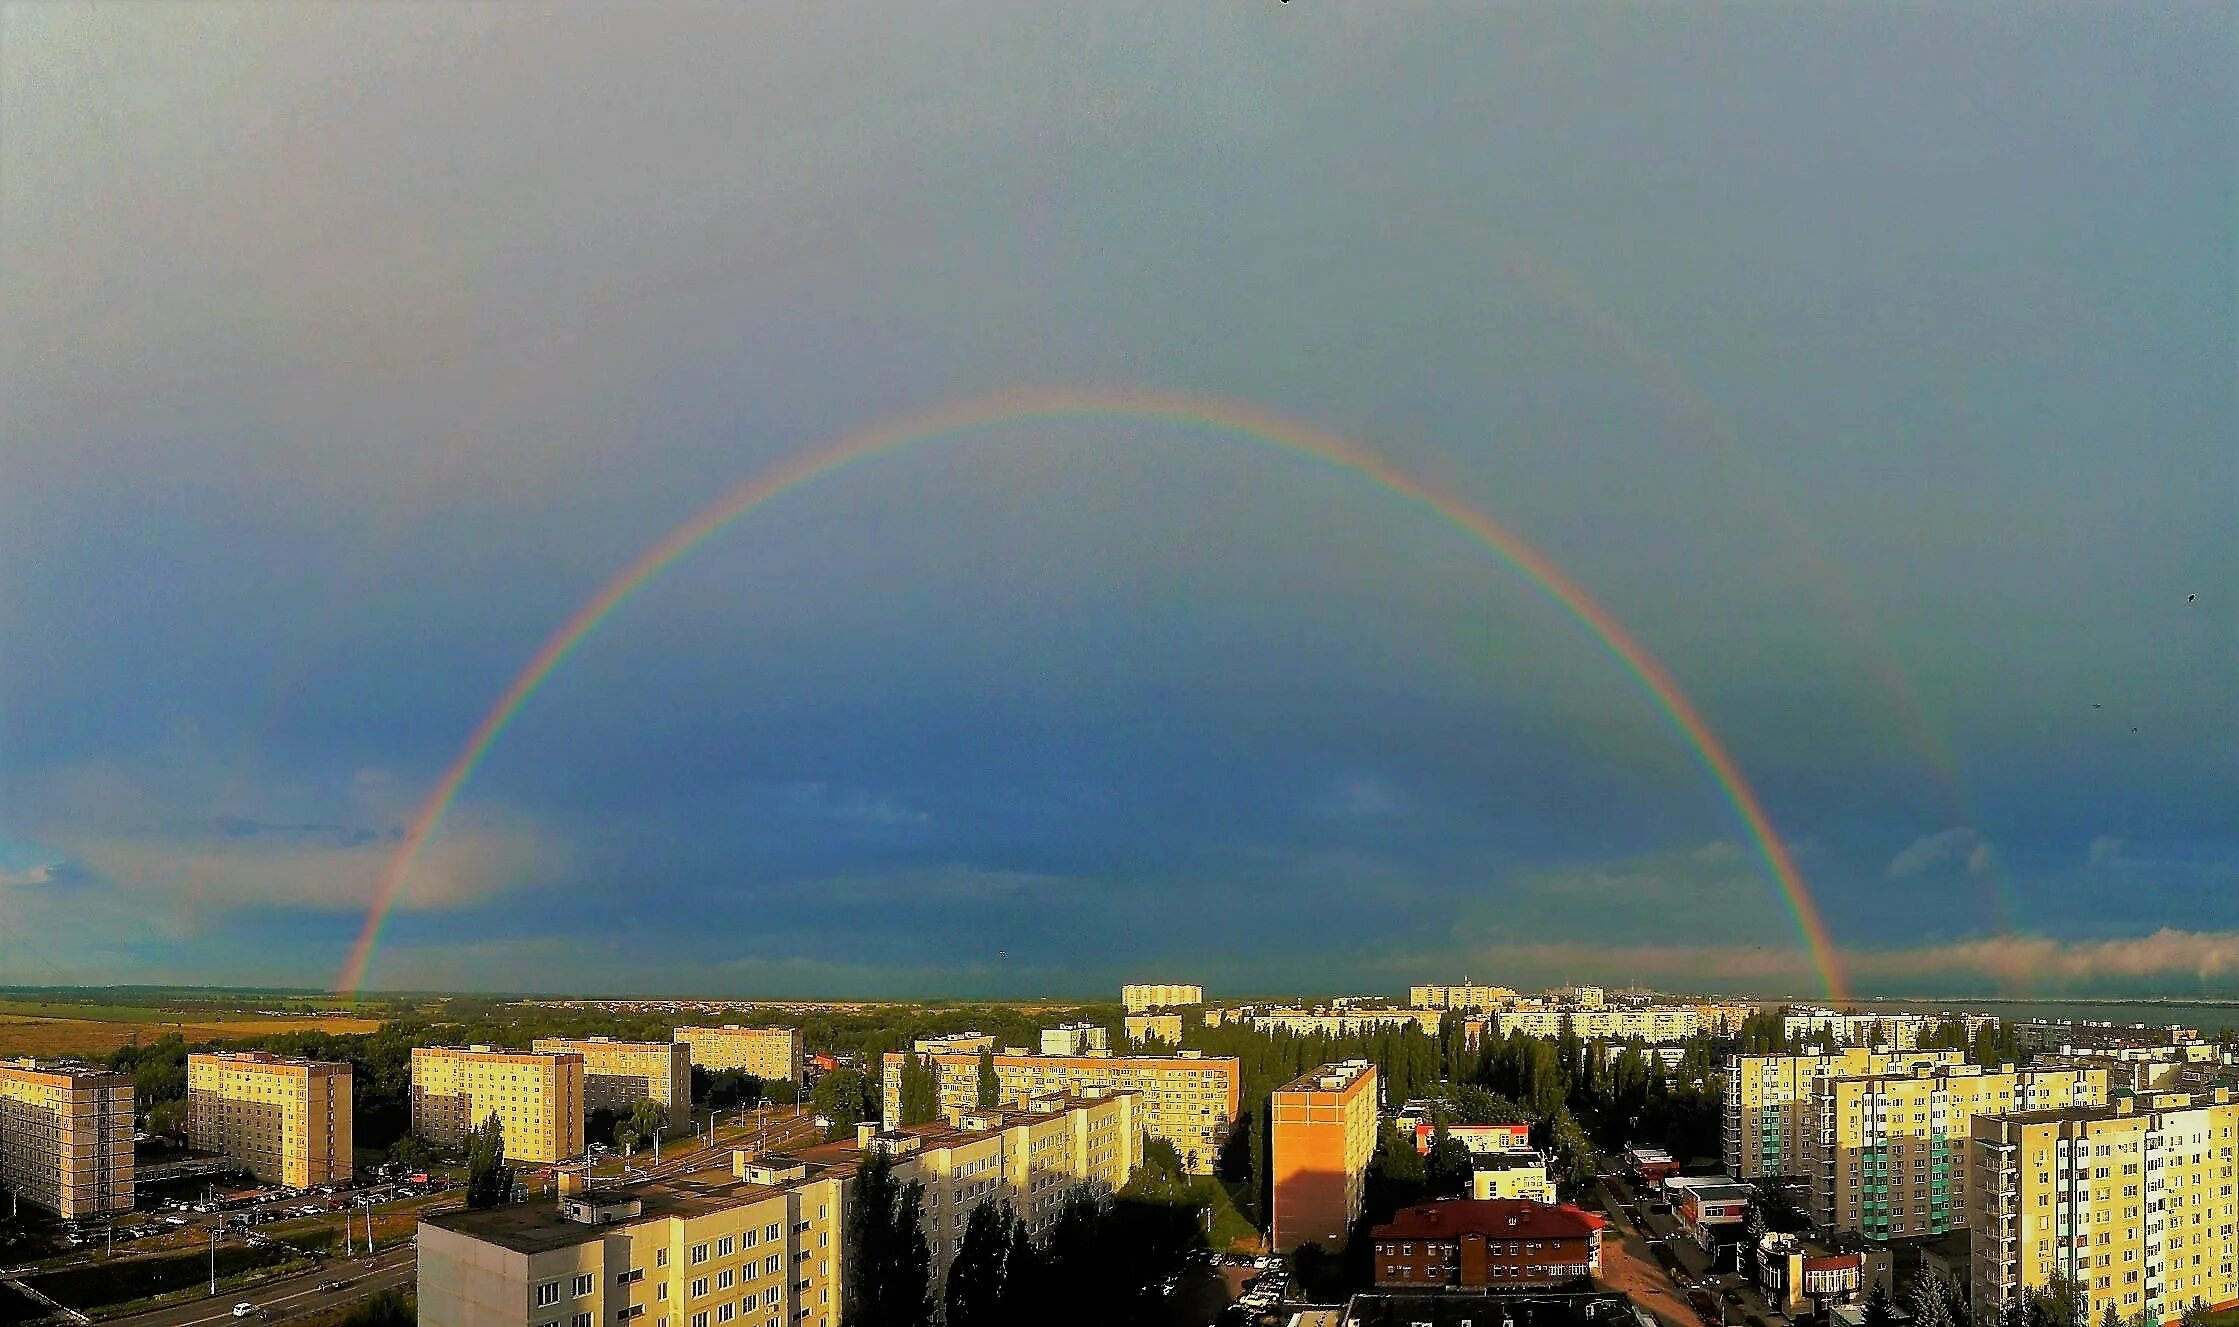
(1490, 1243)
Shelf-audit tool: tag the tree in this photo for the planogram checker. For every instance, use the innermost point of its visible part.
(889, 1268)
(168, 1117)
(1879, 1312)
(987, 1282)
(843, 1097)
(410, 1153)
(388, 1308)
(990, 1086)
(489, 1181)
(921, 1091)
(647, 1118)
(1447, 1169)
(1934, 1302)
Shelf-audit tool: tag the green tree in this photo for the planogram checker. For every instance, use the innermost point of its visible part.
(1879, 1311)
(988, 1281)
(387, 1308)
(168, 1117)
(888, 1279)
(921, 1090)
(647, 1118)
(1447, 1169)
(489, 1181)
(990, 1086)
(411, 1153)
(1934, 1301)
(843, 1097)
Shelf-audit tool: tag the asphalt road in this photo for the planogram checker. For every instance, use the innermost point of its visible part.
(293, 1297)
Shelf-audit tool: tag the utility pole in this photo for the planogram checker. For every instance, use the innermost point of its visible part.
(369, 1230)
(213, 1260)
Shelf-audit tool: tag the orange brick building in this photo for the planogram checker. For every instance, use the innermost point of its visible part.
(1492, 1243)
(1322, 1135)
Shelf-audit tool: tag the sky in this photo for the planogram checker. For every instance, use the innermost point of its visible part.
(1872, 367)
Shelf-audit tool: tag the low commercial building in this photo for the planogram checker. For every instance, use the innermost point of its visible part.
(954, 1043)
(1801, 1279)
(617, 1075)
(1484, 999)
(1769, 1102)
(537, 1097)
(1479, 1139)
(1142, 1029)
(1499, 1244)
(770, 1054)
(1076, 1039)
(1143, 997)
(1650, 1166)
(2133, 1200)
(1322, 1135)
(1712, 1211)
(287, 1120)
(1511, 1175)
(66, 1137)
(1189, 1099)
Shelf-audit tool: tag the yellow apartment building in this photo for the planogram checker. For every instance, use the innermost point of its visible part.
(1188, 1099)
(1887, 1154)
(1769, 1107)
(536, 1095)
(769, 1054)
(1322, 1134)
(1142, 997)
(287, 1120)
(760, 1244)
(66, 1137)
(1483, 999)
(2134, 1200)
(1141, 1028)
(617, 1075)
(1658, 1022)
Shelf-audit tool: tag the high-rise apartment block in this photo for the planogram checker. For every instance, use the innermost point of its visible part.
(1076, 1039)
(1654, 1022)
(1484, 999)
(66, 1137)
(617, 1075)
(763, 1243)
(2132, 1200)
(1188, 1099)
(536, 1095)
(1142, 1028)
(1769, 1107)
(1886, 1153)
(1322, 1134)
(1143, 997)
(287, 1120)
(767, 1053)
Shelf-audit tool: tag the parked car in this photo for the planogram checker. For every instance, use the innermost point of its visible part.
(243, 1309)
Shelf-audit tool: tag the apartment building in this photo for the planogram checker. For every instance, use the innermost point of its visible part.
(1896, 1032)
(287, 1120)
(2133, 1200)
(766, 1053)
(1076, 1039)
(955, 1043)
(617, 1075)
(1343, 1022)
(760, 1244)
(66, 1137)
(1511, 1175)
(1652, 1023)
(536, 1095)
(1187, 1099)
(1768, 1102)
(1143, 997)
(1482, 999)
(1498, 1244)
(1144, 1028)
(1322, 1132)
(1886, 1153)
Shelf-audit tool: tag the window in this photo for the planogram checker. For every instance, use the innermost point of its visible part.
(581, 1287)
(725, 1279)
(582, 1320)
(699, 1320)
(660, 1257)
(699, 1288)
(774, 1231)
(547, 1294)
(770, 1265)
(699, 1254)
(723, 1247)
(724, 1311)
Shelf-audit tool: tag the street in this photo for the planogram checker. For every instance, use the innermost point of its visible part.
(294, 1296)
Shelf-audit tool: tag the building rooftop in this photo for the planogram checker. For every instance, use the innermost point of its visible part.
(540, 1225)
(1329, 1077)
(1502, 1218)
(62, 1069)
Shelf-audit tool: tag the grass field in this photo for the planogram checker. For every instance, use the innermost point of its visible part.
(120, 1280)
(29, 1027)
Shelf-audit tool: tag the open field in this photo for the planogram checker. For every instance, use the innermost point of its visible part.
(38, 1028)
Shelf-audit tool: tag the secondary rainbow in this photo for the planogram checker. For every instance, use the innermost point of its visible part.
(1163, 407)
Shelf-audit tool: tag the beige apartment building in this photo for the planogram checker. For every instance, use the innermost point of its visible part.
(1769, 1106)
(2134, 1200)
(287, 1120)
(770, 1054)
(536, 1095)
(1142, 1028)
(1143, 997)
(760, 1244)
(66, 1138)
(1652, 1023)
(1188, 1099)
(617, 1075)
(1322, 1134)
(1483, 999)
(1887, 1154)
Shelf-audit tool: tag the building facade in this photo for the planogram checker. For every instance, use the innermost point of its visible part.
(1886, 1153)
(1143, 997)
(1484, 999)
(2133, 1200)
(1511, 1175)
(1143, 1029)
(536, 1095)
(1322, 1133)
(1076, 1039)
(766, 1053)
(1769, 1106)
(1496, 1244)
(1188, 1099)
(66, 1138)
(287, 1120)
(1650, 1023)
(617, 1075)
(1343, 1022)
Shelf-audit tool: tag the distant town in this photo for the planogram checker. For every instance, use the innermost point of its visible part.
(1474, 1154)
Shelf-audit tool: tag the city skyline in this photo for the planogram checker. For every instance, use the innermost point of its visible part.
(349, 360)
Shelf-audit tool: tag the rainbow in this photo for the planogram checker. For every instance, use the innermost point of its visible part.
(1161, 407)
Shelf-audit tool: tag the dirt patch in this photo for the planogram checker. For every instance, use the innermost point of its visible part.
(33, 1035)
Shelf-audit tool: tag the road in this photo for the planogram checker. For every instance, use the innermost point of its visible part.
(292, 1297)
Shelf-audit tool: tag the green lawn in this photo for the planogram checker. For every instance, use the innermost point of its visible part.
(120, 1280)
(2222, 1318)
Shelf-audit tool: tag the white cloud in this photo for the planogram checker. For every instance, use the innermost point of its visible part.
(44, 873)
(1951, 847)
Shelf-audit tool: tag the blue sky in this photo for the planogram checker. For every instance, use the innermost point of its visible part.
(1873, 368)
